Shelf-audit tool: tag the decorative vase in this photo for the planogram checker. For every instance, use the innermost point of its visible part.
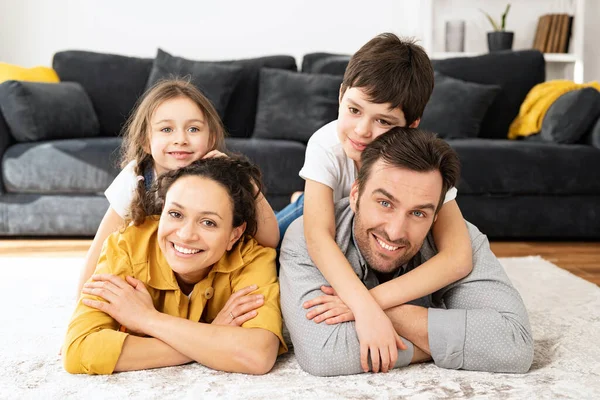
(455, 36)
(500, 40)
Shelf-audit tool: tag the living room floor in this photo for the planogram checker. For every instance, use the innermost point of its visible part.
(580, 258)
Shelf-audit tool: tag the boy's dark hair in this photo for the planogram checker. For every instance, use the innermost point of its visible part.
(392, 70)
(236, 174)
(413, 149)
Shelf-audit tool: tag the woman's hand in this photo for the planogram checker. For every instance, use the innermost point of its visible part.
(240, 307)
(329, 308)
(128, 302)
(214, 153)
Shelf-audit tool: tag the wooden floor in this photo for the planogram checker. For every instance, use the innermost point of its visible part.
(580, 258)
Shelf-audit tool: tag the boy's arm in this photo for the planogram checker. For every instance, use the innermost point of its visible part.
(267, 232)
(109, 224)
(454, 261)
(375, 330)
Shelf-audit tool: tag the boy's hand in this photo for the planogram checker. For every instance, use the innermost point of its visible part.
(329, 308)
(240, 307)
(378, 338)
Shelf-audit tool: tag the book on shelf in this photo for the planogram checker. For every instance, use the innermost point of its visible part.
(553, 33)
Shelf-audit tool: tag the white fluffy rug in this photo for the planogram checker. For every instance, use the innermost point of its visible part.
(36, 295)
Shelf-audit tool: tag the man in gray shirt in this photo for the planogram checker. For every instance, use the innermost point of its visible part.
(383, 228)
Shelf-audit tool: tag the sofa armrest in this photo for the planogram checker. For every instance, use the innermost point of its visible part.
(6, 140)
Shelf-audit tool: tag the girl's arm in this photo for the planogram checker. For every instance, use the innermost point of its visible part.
(109, 224)
(375, 330)
(454, 261)
(267, 232)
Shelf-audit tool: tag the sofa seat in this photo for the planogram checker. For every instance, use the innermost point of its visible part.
(503, 167)
(72, 166)
(89, 166)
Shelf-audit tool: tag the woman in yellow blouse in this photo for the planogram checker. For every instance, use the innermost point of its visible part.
(190, 286)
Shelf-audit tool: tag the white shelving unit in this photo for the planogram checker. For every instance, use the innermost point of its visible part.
(522, 20)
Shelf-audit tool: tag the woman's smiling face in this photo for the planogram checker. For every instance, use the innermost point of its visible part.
(195, 228)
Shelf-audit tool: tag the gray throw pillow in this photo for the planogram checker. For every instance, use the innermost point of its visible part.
(456, 108)
(293, 105)
(37, 111)
(593, 136)
(571, 115)
(216, 81)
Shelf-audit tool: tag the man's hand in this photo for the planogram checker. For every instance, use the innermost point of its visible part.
(329, 308)
(128, 302)
(240, 307)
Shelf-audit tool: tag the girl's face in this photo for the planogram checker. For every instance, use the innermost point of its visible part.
(179, 134)
(195, 228)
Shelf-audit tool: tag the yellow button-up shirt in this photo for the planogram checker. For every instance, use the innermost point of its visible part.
(94, 342)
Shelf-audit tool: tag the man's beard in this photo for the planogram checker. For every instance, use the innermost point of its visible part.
(363, 236)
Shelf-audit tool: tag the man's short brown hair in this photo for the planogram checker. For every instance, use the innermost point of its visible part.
(413, 149)
(392, 70)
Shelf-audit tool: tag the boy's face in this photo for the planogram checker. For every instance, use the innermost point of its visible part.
(361, 121)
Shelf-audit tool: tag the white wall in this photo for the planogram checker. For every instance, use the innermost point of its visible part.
(31, 31)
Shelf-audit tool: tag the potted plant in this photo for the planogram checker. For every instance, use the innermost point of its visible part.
(499, 39)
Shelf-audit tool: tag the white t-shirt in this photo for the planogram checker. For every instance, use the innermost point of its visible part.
(327, 163)
(121, 191)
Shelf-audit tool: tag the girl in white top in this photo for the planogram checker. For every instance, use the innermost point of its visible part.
(173, 126)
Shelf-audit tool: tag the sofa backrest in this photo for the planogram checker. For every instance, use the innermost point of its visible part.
(240, 115)
(516, 72)
(113, 83)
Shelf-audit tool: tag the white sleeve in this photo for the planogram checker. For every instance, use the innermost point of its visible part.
(450, 195)
(320, 165)
(121, 190)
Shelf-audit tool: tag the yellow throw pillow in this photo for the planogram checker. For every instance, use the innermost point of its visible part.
(10, 72)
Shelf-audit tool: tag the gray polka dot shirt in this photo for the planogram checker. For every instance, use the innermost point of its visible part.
(478, 323)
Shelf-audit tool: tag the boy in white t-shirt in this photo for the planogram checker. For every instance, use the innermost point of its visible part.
(387, 83)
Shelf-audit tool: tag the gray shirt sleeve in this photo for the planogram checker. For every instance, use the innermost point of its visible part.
(481, 323)
(320, 349)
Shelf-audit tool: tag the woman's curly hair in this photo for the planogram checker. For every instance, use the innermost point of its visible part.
(236, 174)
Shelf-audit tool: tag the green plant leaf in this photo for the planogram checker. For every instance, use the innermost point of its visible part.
(504, 16)
(494, 24)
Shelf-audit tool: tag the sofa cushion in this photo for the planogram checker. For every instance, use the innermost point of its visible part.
(215, 81)
(240, 114)
(516, 72)
(571, 115)
(456, 108)
(112, 82)
(41, 111)
(275, 158)
(294, 105)
(593, 136)
(503, 167)
(325, 63)
(81, 166)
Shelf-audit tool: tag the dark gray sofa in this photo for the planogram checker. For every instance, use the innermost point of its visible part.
(509, 189)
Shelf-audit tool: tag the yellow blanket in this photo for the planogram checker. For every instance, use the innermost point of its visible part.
(538, 101)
